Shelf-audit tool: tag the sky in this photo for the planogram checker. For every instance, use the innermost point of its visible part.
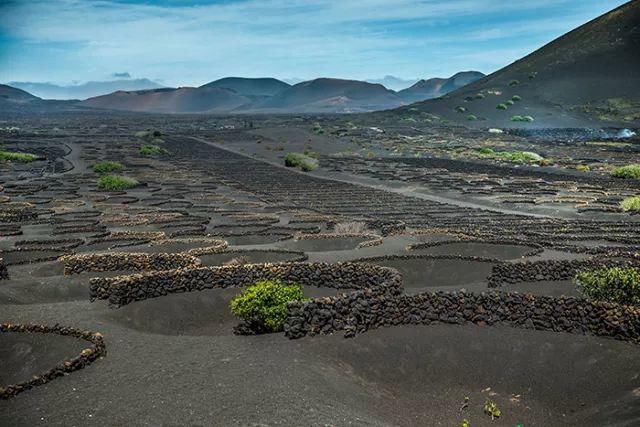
(192, 42)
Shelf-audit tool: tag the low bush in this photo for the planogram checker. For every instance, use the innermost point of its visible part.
(479, 96)
(501, 106)
(516, 98)
(460, 109)
(263, 305)
(615, 284)
(628, 171)
(514, 82)
(631, 204)
(107, 166)
(509, 102)
(116, 182)
(486, 151)
(152, 150)
(10, 156)
(300, 161)
(512, 156)
(472, 117)
(518, 118)
(583, 168)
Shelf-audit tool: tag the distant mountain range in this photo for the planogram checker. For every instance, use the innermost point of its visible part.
(588, 77)
(241, 95)
(436, 87)
(84, 90)
(394, 83)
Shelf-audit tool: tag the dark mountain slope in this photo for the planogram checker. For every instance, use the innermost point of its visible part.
(588, 77)
(181, 100)
(250, 87)
(435, 87)
(332, 95)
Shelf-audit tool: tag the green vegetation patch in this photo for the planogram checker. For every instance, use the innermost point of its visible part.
(460, 109)
(152, 150)
(512, 156)
(518, 118)
(107, 166)
(300, 161)
(263, 305)
(631, 204)
(472, 117)
(501, 106)
(116, 182)
(615, 284)
(628, 171)
(516, 98)
(11, 156)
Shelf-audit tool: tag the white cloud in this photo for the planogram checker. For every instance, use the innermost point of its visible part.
(345, 38)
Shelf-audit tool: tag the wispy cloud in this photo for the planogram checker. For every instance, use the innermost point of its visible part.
(194, 42)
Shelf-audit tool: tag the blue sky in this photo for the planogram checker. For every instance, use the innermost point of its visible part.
(192, 42)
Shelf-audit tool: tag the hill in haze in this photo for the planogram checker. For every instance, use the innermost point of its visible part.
(250, 87)
(588, 77)
(332, 95)
(84, 90)
(435, 87)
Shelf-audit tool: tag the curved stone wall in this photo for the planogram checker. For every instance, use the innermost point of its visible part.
(126, 261)
(548, 270)
(123, 290)
(86, 357)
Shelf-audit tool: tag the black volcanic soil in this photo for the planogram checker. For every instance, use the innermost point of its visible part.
(174, 360)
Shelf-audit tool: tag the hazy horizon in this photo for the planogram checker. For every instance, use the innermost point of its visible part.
(190, 43)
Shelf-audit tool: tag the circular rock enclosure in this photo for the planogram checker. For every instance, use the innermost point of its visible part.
(86, 357)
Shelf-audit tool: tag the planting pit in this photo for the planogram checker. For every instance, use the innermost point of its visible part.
(203, 313)
(421, 273)
(25, 355)
(323, 244)
(478, 249)
(252, 257)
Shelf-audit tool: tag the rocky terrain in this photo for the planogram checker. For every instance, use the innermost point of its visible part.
(433, 304)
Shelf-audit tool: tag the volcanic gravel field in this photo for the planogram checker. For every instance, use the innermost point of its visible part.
(133, 289)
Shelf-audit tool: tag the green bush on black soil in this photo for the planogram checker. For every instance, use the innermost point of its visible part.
(509, 102)
(501, 106)
(479, 96)
(472, 117)
(460, 109)
(11, 156)
(107, 166)
(263, 305)
(116, 182)
(615, 284)
(631, 204)
(516, 98)
(152, 150)
(628, 171)
(514, 82)
(300, 161)
(517, 118)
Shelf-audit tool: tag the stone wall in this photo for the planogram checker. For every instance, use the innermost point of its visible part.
(359, 312)
(86, 357)
(126, 261)
(547, 270)
(123, 290)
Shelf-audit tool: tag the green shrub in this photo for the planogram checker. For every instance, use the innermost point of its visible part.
(628, 171)
(514, 82)
(583, 168)
(516, 98)
(107, 166)
(152, 150)
(116, 182)
(631, 204)
(486, 151)
(263, 306)
(479, 96)
(9, 156)
(518, 118)
(519, 156)
(615, 284)
(300, 161)
(460, 109)
(501, 106)
(472, 117)
(509, 102)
